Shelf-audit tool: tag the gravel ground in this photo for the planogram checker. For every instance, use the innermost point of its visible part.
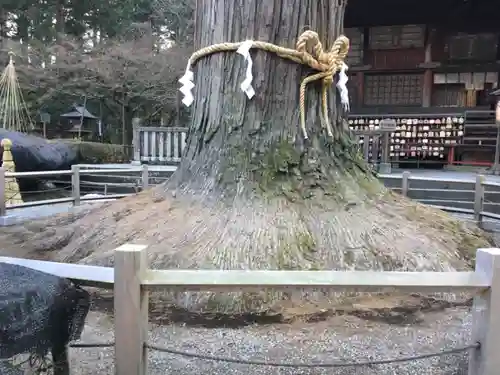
(338, 339)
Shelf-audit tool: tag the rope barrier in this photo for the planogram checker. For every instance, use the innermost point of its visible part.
(326, 63)
(316, 365)
(40, 192)
(92, 345)
(208, 357)
(66, 188)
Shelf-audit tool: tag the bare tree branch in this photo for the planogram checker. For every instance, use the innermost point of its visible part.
(128, 72)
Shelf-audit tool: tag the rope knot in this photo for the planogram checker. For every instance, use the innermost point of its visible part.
(327, 63)
(328, 80)
(308, 51)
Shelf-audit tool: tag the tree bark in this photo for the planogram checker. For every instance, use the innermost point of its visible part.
(256, 146)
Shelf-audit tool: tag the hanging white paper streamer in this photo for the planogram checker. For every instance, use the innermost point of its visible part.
(187, 87)
(246, 85)
(341, 86)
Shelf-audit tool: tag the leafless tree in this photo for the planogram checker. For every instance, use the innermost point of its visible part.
(128, 72)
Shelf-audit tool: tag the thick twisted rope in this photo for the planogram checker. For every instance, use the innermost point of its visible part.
(326, 63)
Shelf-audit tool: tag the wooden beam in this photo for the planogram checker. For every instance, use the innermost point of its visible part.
(362, 281)
(360, 80)
(102, 277)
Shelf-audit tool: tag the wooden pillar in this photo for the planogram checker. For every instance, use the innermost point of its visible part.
(360, 80)
(428, 76)
(427, 88)
(486, 325)
(136, 143)
(75, 184)
(478, 198)
(451, 155)
(385, 147)
(470, 98)
(145, 177)
(405, 183)
(131, 310)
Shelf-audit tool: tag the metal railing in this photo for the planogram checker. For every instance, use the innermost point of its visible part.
(484, 195)
(140, 182)
(477, 197)
(132, 280)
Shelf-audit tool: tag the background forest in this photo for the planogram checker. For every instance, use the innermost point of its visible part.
(122, 58)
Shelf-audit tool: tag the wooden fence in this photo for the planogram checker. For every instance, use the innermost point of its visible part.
(158, 145)
(132, 281)
(166, 145)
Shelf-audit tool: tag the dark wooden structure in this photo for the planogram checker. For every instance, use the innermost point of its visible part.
(430, 66)
(79, 123)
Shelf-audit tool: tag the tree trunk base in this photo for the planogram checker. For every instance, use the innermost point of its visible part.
(387, 232)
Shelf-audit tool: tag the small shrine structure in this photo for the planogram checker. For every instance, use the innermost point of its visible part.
(79, 123)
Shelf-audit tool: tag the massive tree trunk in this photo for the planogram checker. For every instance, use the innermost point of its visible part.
(243, 148)
(251, 192)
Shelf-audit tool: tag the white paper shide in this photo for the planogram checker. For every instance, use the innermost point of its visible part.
(187, 86)
(246, 85)
(342, 87)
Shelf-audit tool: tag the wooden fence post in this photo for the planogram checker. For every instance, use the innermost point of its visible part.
(136, 143)
(145, 177)
(405, 183)
(486, 325)
(478, 198)
(3, 205)
(75, 184)
(130, 310)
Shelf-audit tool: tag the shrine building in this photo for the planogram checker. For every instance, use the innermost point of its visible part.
(431, 66)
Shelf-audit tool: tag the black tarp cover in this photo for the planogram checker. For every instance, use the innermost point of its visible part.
(38, 311)
(33, 153)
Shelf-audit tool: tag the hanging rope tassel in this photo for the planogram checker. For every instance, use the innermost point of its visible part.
(326, 63)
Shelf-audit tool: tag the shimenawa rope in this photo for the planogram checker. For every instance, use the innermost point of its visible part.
(308, 51)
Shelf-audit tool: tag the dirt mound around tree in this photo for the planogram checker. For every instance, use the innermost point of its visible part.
(388, 233)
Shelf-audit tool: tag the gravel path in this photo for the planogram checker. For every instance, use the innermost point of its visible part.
(339, 339)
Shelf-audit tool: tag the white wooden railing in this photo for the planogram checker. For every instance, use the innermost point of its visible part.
(162, 145)
(132, 280)
(166, 144)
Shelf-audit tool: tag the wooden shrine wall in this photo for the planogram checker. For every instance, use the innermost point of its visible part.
(464, 89)
(396, 47)
(398, 66)
(387, 49)
(472, 47)
(403, 89)
(416, 69)
(356, 49)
